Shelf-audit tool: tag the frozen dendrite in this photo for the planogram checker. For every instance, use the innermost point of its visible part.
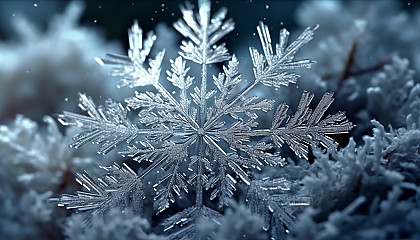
(208, 137)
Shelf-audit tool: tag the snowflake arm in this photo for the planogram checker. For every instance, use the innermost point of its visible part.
(187, 219)
(131, 69)
(304, 128)
(120, 187)
(107, 125)
(175, 182)
(133, 74)
(203, 34)
(172, 155)
(178, 77)
(222, 182)
(226, 81)
(270, 70)
(272, 198)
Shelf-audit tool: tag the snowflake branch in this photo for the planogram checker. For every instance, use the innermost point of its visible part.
(249, 105)
(271, 69)
(222, 181)
(120, 187)
(306, 127)
(158, 154)
(178, 77)
(134, 74)
(188, 219)
(107, 125)
(130, 67)
(238, 134)
(172, 154)
(176, 182)
(203, 34)
(273, 197)
(193, 124)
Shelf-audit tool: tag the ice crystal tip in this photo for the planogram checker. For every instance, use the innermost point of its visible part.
(99, 61)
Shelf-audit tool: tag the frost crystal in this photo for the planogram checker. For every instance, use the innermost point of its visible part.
(207, 138)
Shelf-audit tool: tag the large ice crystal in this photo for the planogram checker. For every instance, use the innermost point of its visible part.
(206, 138)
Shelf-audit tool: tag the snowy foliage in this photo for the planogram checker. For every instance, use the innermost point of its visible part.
(393, 94)
(41, 69)
(35, 164)
(116, 225)
(366, 52)
(369, 192)
(383, 24)
(238, 223)
(363, 36)
(208, 138)
(39, 159)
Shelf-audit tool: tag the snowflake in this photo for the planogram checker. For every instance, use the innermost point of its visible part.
(207, 138)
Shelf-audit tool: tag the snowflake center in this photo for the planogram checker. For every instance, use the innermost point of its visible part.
(201, 132)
